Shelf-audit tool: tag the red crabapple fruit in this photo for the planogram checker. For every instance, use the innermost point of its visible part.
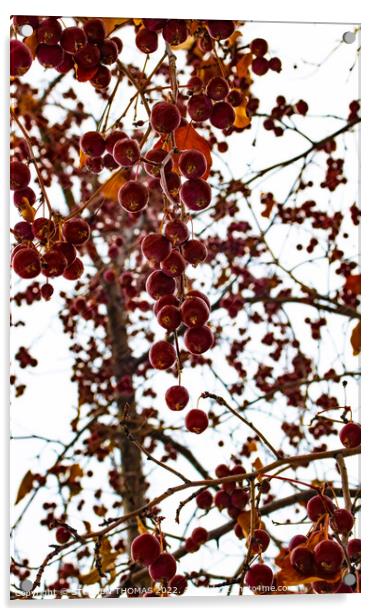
(159, 284)
(204, 499)
(259, 577)
(194, 312)
(145, 549)
(26, 263)
(318, 505)
(198, 339)
(177, 232)
(196, 194)
(174, 264)
(169, 317)
(220, 28)
(194, 251)
(175, 31)
(342, 521)
(133, 196)
(350, 434)
(21, 58)
(163, 568)
(126, 152)
(177, 397)
(192, 164)
(155, 247)
(328, 555)
(62, 535)
(165, 117)
(196, 421)
(76, 231)
(199, 535)
(92, 143)
(199, 107)
(162, 355)
(302, 559)
(19, 175)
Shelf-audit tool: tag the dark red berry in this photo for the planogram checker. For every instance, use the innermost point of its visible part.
(21, 58)
(177, 397)
(72, 39)
(354, 549)
(53, 263)
(174, 264)
(194, 293)
(295, 541)
(154, 24)
(222, 500)
(196, 194)
(204, 499)
(177, 232)
(302, 559)
(88, 57)
(109, 52)
(133, 196)
(169, 317)
(318, 505)
(199, 535)
(92, 143)
(328, 555)
(146, 40)
(222, 115)
(199, 107)
(113, 138)
(95, 30)
(350, 434)
(126, 152)
(192, 164)
(165, 117)
(342, 521)
(234, 98)
(194, 251)
(75, 270)
(62, 535)
(260, 66)
(163, 568)
(178, 584)
(155, 157)
(43, 229)
(159, 284)
(165, 300)
(220, 28)
(162, 355)
(198, 339)
(23, 231)
(145, 549)
(50, 56)
(155, 247)
(49, 32)
(102, 78)
(194, 312)
(26, 263)
(259, 577)
(175, 31)
(259, 47)
(19, 175)
(76, 231)
(260, 540)
(217, 88)
(47, 291)
(196, 421)
(275, 64)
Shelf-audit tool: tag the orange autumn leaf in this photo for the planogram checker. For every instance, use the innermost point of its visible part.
(187, 138)
(234, 37)
(269, 202)
(83, 159)
(289, 576)
(242, 119)
(243, 65)
(187, 44)
(257, 464)
(356, 339)
(110, 188)
(244, 521)
(353, 284)
(32, 42)
(26, 486)
(27, 211)
(113, 23)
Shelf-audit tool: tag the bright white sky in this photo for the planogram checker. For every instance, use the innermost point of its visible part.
(323, 78)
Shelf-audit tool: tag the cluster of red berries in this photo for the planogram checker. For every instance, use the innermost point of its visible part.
(162, 566)
(87, 50)
(176, 31)
(281, 109)
(260, 64)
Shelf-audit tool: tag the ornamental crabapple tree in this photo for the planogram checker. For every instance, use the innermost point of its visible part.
(162, 267)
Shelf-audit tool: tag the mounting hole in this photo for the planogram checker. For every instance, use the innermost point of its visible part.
(26, 30)
(349, 579)
(349, 37)
(26, 585)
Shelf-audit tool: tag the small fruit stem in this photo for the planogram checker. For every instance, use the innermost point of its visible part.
(345, 485)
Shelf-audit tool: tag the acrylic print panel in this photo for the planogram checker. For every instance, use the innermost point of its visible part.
(185, 308)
